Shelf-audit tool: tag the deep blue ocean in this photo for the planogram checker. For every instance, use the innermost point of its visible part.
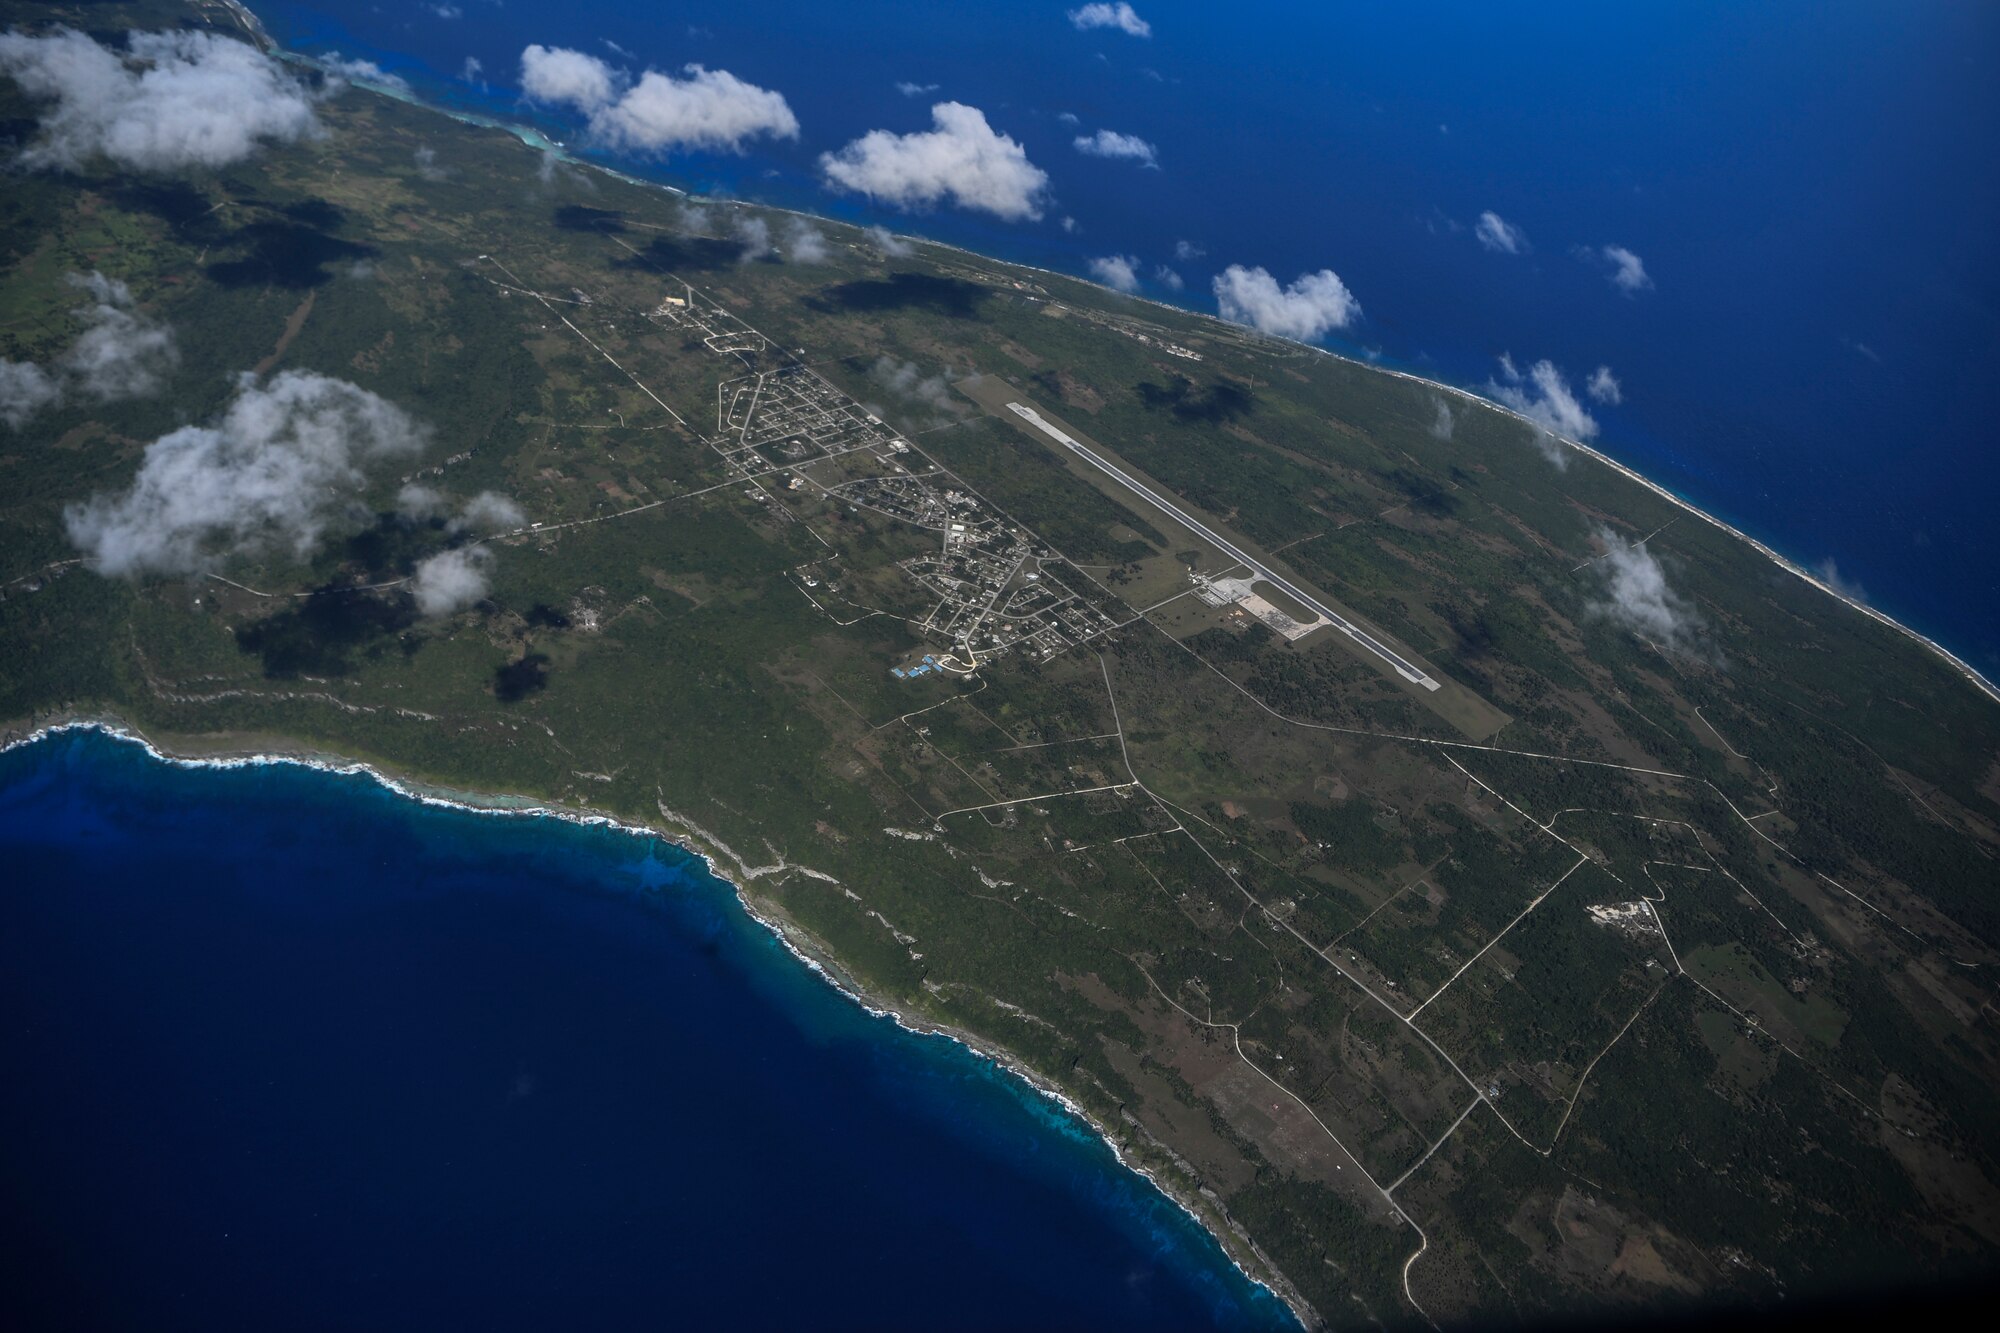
(1810, 184)
(285, 1050)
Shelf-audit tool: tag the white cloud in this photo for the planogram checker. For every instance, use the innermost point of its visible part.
(557, 74)
(1110, 143)
(886, 241)
(285, 461)
(1310, 307)
(452, 580)
(908, 89)
(1829, 574)
(447, 11)
(710, 109)
(1603, 387)
(1628, 271)
(1545, 399)
(961, 160)
(427, 167)
(755, 237)
(1118, 272)
(906, 379)
(1120, 16)
(122, 354)
(417, 503)
(696, 220)
(174, 100)
(1185, 251)
(1170, 279)
(805, 243)
(25, 389)
(1498, 234)
(1638, 598)
(488, 512)
(1441, 424)
(473, 71)
(1068, 118)
(361, 71)
(706, 109)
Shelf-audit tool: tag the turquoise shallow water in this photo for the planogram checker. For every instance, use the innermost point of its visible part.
(287, 1050)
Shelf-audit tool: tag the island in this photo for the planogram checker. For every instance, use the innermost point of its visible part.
(1472, 881)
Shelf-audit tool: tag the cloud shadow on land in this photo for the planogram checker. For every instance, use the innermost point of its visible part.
(544, 616)
(953, 297)
(291, 250)
(321, 634)
(516, 680)
(582, 217)
(683, 254)
(176, 203)
(1221, 403)
(391, 546)
(1423, 494)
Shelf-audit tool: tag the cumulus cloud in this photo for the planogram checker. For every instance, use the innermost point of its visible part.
(452, 580)
(1498, 234)
(427, 166)
(1118, 272)
(754, 235)
(886, 241)
(361, 71)
(962, 160)
(1638, 598)
(1545, 399)
(283, 465)
(122, 354)
(173, 100)
(1120, 16)
(488, 512)
(446, 11)
(25, 389)
(907, 380)
(1110, 143)
(1628, 271)
(473, 71)
(1603, 387)
(418, 502)
(1171, 280)
(1310, 307)
(558, 75)
(1442, 423)
(1187, 251)
(709, 109)
(908, 89)
(805, 243)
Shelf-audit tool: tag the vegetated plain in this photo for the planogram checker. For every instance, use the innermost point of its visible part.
(1318, 953)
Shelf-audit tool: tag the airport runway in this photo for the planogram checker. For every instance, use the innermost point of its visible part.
(1402, 667)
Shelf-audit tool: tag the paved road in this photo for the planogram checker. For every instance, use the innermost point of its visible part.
(1402, 666)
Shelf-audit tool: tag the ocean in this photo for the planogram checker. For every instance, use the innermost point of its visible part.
(1808, 183)
(286, 1049)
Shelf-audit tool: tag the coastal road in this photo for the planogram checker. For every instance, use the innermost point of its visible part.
(1402, 667)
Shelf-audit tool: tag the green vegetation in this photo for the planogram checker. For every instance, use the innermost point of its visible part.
(1229, 892)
